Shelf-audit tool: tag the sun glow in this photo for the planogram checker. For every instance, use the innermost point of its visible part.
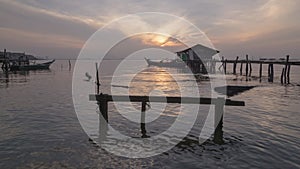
(159, 40)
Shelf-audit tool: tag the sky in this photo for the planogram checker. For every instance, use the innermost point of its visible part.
(59, 29)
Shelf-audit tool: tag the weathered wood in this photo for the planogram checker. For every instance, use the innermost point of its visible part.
(162, 99)
(247, 62)
(143, 120)
(288, 74)
(250, 67)
(285, 69)
(275, 62)
(269, 73)
(219, 111)
(241, 69)
(97, 80)
(281, 77)
(260, 71)
(70, 66)
(272, 73)
(219, 103)
(225, 66)
(103, 103)
(5, 65)
(234, 65)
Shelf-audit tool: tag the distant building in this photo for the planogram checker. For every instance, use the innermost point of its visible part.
(16, 56)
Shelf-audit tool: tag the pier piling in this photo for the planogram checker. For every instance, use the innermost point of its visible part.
(281, 77)
(286, 68)
(225, 66)
(234, 65)
(288, 74)
(143, 120)
(219, 110)
(260, 71)
(241, 69)
(247, 67)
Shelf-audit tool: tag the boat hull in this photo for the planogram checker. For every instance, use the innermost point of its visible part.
(41, 66)
(174, 63)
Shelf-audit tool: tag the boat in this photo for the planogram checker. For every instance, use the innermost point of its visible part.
(36, 66)
(166, 63)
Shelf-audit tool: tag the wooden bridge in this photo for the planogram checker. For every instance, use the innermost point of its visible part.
(285, 75)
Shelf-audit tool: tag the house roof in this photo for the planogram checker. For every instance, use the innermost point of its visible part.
(201, 50)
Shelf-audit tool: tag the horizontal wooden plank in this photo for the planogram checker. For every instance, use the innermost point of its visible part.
(168, 99)
(278, 62)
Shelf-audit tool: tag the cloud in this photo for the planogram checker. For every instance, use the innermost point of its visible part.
(228, 23)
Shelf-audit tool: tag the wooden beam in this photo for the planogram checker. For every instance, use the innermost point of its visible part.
(186, 100)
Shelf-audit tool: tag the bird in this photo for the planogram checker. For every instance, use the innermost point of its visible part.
(88, 76)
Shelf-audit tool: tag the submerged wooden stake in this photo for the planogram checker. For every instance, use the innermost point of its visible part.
(241, 69)
(143, 120)
(219, 110)
(286, 68)
(97, 80)
(250, 71)
(247, 62)
(234, 65)
(281, 77)
(288, 74)
(70, 66)
(260, 71)
(225, 66)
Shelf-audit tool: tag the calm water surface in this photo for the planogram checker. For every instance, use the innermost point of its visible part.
(39, 127)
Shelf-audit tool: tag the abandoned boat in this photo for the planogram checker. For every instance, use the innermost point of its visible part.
(166, 63)
(37, 66)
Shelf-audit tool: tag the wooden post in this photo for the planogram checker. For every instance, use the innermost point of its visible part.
(241, 69)
(225, 66)
(281, 77)
(97, 80)
(219, 110)
(285, 69)
(70, 66)
(214, 66)
(5, 62)
(143, 120)
(269, 73)
(247, 66)
(260, 71)
(272, 73)
(288, 74)
(103, 120)
(234, 65)
(250, 71)
(104, 106)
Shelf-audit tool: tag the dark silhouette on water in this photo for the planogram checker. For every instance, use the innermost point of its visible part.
(232, 90)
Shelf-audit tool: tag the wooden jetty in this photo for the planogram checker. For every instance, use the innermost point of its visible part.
(285, 75)
(103, 99)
